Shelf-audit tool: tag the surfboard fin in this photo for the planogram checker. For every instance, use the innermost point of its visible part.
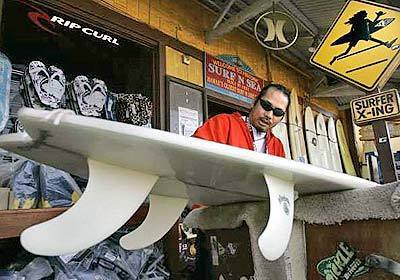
(275, 237)
(112, 196)
(164, 211)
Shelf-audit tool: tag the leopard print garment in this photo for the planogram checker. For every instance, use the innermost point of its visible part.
(134, 109)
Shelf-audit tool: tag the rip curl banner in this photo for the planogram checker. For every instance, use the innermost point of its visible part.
(32, 32)
(57, 24)
(362, 46)
(230, 80)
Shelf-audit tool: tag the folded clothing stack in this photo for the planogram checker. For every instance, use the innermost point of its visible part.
(41, 186)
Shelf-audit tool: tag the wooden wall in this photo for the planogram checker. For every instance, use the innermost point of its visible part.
(187, 20)
(191, 72)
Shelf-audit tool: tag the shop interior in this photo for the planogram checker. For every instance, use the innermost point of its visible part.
(125, 69)
(216, 107)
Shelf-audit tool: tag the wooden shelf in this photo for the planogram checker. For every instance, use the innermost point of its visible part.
(13, 222)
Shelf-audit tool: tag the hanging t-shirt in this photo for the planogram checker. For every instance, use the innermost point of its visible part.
(258, 137)
(259, 140)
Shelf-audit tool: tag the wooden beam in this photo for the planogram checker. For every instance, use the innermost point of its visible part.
(297, 53)
(344, 107)
(343, 90)
(338, 91)
(319, 80)
(222, 15)
(244, 15)
(290, 8)
(300, 71)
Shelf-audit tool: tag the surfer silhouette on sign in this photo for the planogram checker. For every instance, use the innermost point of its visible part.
(361, 29)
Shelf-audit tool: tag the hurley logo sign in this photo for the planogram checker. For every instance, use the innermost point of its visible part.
(48, 23)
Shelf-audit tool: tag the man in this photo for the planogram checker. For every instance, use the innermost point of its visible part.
(253, 132)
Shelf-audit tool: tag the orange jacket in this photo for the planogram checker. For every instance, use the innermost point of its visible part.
(230, 129)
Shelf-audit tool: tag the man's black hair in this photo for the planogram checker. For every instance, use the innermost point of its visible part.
(279, 87)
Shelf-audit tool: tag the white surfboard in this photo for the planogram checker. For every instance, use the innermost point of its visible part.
(296, 136)
(323, 142)
(348, 165)
(125, 163)
(334, 146)
(281, 131)
(314, 154)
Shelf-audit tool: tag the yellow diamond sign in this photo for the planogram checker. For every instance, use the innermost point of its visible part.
(363, 44)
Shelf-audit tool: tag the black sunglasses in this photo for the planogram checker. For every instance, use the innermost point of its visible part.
(267, 106)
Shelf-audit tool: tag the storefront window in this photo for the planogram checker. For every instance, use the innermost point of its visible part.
(31, 32)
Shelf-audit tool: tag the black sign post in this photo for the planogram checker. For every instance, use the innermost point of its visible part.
(382, 143)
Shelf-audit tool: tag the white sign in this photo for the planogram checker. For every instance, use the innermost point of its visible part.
(380, 106)
(188, 121)
(86, 30)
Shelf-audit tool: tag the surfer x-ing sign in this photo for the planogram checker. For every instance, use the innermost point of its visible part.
(380, 106)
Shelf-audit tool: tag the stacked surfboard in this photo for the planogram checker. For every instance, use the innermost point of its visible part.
(334, 146)
(344, 150)
(296, 134)
(320, 142)
(313, 147)
(281, 131)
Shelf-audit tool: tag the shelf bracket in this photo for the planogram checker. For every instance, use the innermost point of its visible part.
(274, 240)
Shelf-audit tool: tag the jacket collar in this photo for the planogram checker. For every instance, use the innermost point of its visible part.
(268, 136)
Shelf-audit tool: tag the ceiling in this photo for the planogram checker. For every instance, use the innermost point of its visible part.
(314, 18)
